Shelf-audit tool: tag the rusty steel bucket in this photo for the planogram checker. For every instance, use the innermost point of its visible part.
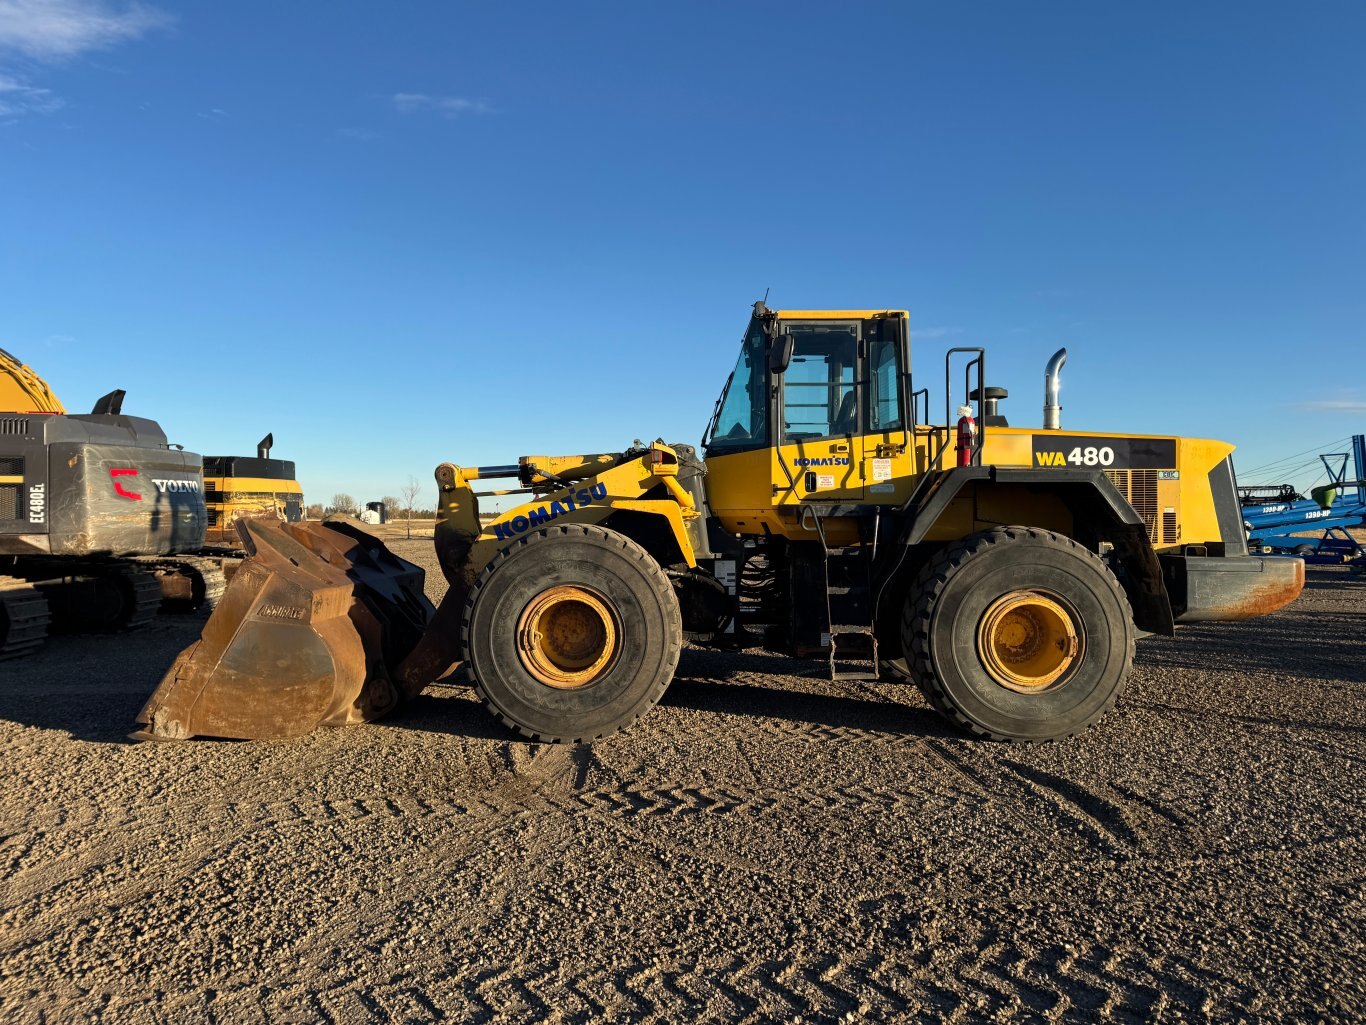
(309, 632)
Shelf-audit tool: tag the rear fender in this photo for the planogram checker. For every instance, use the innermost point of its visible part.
(1082, 504)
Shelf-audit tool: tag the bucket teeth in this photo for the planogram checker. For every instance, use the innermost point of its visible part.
(309, 632)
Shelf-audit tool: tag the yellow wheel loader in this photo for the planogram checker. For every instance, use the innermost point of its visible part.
(1006, 570)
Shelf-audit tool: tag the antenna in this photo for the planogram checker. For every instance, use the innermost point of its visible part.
(766, 291)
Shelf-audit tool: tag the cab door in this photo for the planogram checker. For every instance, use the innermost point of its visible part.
(818, 456)
(883, 446)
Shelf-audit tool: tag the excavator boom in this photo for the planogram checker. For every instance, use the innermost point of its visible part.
(22, 390)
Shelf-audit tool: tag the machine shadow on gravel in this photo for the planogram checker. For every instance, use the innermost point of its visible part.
(95, 718)
(441, 709)
(701, 684)
(75, 685)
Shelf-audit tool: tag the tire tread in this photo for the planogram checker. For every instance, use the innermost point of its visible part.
(934, 577)
(674, 642)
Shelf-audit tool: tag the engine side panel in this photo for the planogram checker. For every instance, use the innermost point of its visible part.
(123, 500)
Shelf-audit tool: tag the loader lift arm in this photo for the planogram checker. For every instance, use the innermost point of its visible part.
(605, 489)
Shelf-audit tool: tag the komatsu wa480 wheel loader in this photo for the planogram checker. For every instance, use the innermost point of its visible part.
(1006, 570)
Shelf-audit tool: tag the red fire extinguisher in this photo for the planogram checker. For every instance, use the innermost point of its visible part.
(967, 435)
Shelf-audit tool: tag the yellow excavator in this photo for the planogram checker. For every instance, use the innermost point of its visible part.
(236, 486)
(1006, 570)
(22, 390)
(103, 522)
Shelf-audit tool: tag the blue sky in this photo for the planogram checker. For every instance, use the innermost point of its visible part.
(405, 233)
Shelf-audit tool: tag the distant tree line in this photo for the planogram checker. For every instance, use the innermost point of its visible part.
(401, 506)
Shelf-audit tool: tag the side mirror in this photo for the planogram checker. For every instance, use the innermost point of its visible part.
(780, 354)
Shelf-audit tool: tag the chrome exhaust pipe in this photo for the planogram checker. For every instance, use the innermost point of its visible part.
(1052, 382)
(264, 446)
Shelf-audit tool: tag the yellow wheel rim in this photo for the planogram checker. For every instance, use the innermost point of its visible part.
(566, 637)
(1028, 641)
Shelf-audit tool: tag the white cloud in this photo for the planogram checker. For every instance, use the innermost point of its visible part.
(18, 97)
(1335, 406)
(446, 106)
(53, 29)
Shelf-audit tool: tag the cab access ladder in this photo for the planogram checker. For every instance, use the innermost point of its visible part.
(848, 606)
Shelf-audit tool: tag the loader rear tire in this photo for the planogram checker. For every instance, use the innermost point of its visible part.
(571, 633)
(1019, 634)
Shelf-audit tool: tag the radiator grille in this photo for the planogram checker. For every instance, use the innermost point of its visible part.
(1140, 488)
(11, 466)
(13, 425)
(9, 501)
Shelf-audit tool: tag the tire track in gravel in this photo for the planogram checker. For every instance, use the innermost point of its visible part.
(1112, 819)
(536, 774)
(54, 916)
(104, 859)
(997, 978)
(73, 909)
(46, 899)
(917, 788)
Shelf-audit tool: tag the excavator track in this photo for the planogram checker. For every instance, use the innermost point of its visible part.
(189, 583)
(102, 599)
(24, 618)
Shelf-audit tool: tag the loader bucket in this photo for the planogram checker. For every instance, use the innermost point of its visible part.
(308, 633)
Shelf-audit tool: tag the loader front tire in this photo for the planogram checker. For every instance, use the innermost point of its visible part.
(1019, 634)
(571, 633)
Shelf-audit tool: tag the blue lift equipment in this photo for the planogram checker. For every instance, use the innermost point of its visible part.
(1273, 515)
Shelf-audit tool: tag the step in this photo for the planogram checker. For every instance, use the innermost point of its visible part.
(848, 665)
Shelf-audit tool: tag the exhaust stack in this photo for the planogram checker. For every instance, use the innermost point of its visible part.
(264, 446)
(1052, 410)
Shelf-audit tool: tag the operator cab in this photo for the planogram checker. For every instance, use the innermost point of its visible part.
(819, 374)
(820, 401)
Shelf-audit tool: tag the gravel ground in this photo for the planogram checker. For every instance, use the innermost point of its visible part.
(764, 846)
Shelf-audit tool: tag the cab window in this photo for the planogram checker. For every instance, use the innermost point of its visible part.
(820, 395)
(884, 393)
(742, 413)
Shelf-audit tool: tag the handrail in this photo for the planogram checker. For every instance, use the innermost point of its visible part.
(980, 364)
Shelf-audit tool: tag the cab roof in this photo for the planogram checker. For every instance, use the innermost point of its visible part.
(839, 314)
